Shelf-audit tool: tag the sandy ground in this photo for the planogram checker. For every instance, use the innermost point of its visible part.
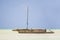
(11, 35)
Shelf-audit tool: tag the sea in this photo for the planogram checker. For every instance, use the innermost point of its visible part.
(8, 34)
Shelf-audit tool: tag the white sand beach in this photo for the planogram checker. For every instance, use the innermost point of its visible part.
(11, 35)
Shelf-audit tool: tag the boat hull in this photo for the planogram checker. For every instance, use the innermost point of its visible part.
(37, 32)
(32, 31)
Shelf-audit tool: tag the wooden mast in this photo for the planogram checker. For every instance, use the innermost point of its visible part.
(27, 18)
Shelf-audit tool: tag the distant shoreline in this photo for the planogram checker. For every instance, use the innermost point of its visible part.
(18, 28)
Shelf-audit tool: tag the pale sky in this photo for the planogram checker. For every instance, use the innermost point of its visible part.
(42, 14)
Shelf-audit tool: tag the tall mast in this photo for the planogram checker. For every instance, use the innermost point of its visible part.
(27, 17)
